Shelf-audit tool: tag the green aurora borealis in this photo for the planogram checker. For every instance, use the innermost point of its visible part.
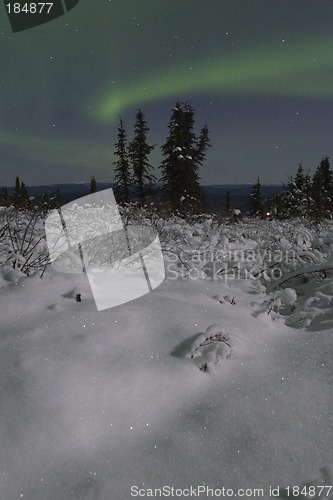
(278, 72)
(259, 72)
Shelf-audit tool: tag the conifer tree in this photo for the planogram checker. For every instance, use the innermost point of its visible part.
(257, 207)
(300, 191)
(17, 193)
(93, 185)
(317, 198)
(322, 191)
(24, 194)
(183, 154)
(5, 199)
(20, 196)
(227, 203)
(55, 200)
(139, 152)
(295, 201)
(327, 180)
(50, 201)
(122, 169)
(203, 145)
(305, 198)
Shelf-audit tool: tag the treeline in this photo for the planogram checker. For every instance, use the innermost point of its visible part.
(177, 188)
(20, 198)
(303, 196)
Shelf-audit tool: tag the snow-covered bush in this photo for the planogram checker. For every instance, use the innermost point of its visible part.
(315, 306)
(269, 251)
(22, 239)
(280, 258)
(282, 301)
(210, 347)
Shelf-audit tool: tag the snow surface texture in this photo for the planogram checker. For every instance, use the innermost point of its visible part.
(93, 403)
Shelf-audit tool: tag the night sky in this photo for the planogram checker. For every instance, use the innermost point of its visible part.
(260, 72)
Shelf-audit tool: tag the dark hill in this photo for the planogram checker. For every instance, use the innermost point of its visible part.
(240, 194)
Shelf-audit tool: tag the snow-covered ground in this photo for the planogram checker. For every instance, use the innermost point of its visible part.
(112, 404)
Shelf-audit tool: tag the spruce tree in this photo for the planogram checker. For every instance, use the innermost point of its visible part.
(17, 199)
(203, 144)
(327, 180)
(55, 199)
(295, 200)
(139, 152)
(322, 191)
(24, 195)
(300, 191)
(122, 169)
(317, 206)
(228, 204)
(183, 154)
(5, 196)
(93, 185)
(256, 198)
(20, 196)
(50, 201)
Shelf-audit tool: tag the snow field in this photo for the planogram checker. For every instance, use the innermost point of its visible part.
(94, 402)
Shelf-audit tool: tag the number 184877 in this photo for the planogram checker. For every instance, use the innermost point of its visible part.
(308, 491)
(29, 8)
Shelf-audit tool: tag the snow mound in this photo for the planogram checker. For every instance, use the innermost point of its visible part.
(288, 296)
(210, 347)
(9, 275)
